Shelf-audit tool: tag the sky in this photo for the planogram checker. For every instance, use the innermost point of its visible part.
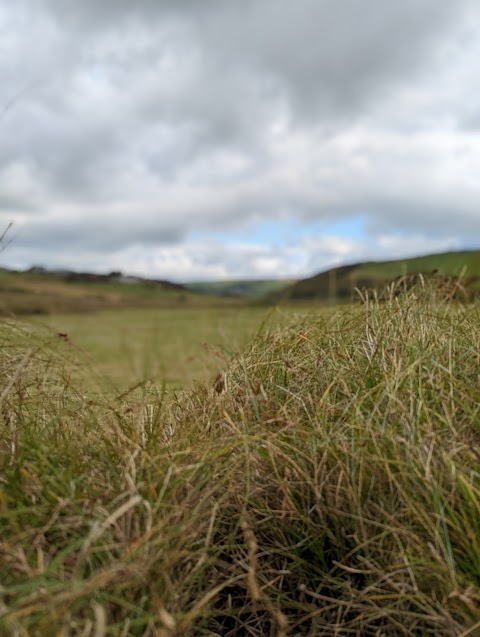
(220, 139)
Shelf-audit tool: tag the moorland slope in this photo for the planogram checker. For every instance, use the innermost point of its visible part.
(42, 292)
(341, 283)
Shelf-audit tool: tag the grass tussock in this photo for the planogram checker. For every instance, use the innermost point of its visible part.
(331, 487)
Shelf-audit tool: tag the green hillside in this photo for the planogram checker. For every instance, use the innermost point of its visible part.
(38, 291)
(340, 283)
(43, 292)
(241, 288)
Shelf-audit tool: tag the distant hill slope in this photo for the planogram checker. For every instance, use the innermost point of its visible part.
(340, 283)
(39, 291)
(252, 289)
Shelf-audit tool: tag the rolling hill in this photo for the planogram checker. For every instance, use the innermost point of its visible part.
(39, 291)
(340, 283)
(243, 288)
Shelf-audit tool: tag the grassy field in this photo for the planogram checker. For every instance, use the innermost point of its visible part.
(330, 487)
(179, 347)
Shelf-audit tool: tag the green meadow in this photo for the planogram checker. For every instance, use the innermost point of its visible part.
(328, 485)
(180, 348)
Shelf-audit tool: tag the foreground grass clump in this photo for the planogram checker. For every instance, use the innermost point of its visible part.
(332, 487)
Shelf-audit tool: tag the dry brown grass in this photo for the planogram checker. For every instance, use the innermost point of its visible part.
(332, 487)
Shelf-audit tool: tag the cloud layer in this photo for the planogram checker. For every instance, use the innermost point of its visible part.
(135, 135)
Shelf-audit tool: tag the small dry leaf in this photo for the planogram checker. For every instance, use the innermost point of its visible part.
(219, 383)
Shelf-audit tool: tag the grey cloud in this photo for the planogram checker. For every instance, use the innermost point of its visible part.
(97, 235)
(187, 115)
(434, 219)
(90, 14)
(331, 57)
(326, 58)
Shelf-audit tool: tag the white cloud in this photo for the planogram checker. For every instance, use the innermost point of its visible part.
(137, 125)
(209, 259)
(396, 247)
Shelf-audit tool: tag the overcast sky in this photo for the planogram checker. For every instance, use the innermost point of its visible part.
(203, 139)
